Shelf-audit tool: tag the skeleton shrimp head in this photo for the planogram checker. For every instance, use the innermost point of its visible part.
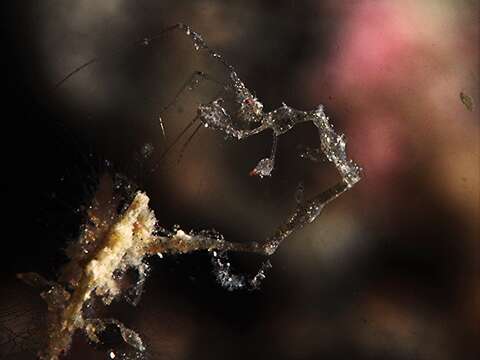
(251, 110)
(214, 116)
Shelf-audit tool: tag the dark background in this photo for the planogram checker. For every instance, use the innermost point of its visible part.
(388, 271)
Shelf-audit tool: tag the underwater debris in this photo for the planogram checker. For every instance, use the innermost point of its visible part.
(467, 101)
(110, 243)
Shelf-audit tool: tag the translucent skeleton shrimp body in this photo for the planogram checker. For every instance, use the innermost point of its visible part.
(111, 242)
(250, 118)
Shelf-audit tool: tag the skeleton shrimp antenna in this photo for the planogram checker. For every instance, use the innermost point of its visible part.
(199, 44)
(197, 39)
(144, 41)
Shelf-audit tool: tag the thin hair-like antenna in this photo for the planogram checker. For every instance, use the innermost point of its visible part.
(144, 41)
(190, 138)
(177, 138)
(196, 38)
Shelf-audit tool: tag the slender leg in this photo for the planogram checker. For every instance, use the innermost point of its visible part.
(302, 215)
(183, 243)
(305, 213)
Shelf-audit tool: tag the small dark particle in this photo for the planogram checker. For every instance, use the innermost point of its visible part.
(146, 150)
(300, 193)
(467, 101)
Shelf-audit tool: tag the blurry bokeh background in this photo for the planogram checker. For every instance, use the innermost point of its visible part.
(389, 271)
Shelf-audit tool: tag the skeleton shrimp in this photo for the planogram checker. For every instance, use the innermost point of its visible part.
(250, 119)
